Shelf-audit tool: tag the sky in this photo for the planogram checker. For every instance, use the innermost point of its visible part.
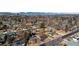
(67, 6)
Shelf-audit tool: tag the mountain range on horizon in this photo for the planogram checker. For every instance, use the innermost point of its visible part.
(53, 13)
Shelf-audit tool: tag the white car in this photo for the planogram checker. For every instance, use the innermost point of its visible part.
(76, 39)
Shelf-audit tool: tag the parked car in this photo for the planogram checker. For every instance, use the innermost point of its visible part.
(76, 39)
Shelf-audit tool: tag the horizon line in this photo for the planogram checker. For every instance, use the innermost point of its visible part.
(45, 12)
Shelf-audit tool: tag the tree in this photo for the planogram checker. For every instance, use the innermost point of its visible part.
(1, 23)
(42, 25)
(66, 28)
(5, 27)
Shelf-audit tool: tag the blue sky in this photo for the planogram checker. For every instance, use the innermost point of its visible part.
(67, 6)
